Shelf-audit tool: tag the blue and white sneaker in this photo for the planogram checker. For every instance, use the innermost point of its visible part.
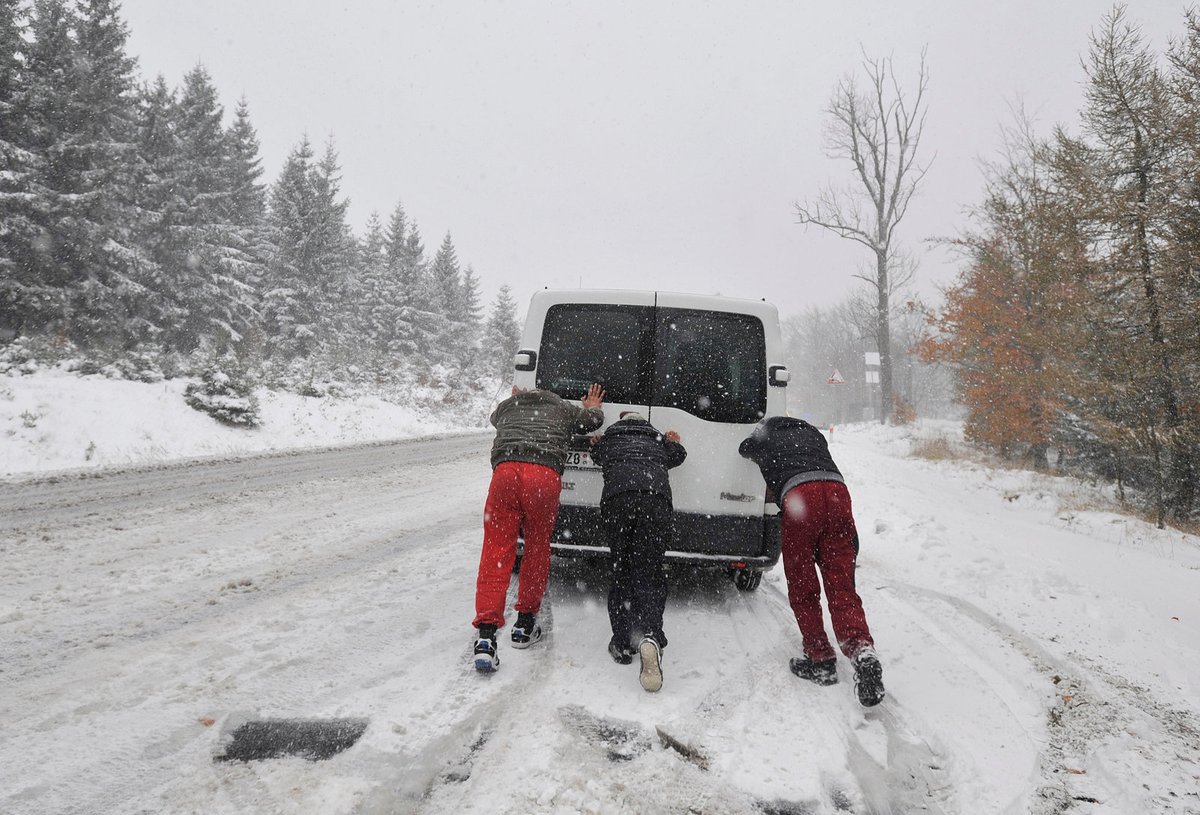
(486, 658)
(525, 631)
(651, 676)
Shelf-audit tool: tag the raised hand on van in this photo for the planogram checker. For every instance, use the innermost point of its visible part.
(594, 397)
(671, 435)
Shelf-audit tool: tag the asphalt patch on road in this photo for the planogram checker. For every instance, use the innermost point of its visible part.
(311, 739)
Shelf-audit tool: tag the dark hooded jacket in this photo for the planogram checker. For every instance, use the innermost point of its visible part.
(789, 452)
(536, 426)
(635, 458)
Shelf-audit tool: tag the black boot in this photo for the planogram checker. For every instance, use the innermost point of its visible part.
(868, 678)
(620, 650)
(821, 673)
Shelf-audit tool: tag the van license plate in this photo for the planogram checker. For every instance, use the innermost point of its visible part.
(579, 460)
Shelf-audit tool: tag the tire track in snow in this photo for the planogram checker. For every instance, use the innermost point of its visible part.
(1090, 710)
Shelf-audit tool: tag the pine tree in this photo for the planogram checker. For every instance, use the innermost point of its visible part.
(36, 297)
(335, 273)
(247, 198)
(447, 281)
(76, 272)
(247, 217)
(472, 309)
(404, 289)
(92, 165)
(414, 276)
(206, 276)
(503, 333)
(290, 297)
(376, 310)
(25, 300)
(159, 203)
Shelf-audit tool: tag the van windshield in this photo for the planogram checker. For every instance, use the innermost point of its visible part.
(711, 364)
(609, 344)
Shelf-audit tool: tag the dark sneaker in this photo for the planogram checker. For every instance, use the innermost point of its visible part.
(651, 676)
(486, 658)
(525, 631)
(621, 652)
(821, 673)
(868, 678)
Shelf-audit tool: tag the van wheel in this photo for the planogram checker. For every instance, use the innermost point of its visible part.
(747, 579)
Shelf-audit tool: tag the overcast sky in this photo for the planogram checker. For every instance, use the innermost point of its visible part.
(628, 145)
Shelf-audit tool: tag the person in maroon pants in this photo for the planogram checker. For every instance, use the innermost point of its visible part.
(533, 429)
(818, 532)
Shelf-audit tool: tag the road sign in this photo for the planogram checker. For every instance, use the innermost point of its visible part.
(871, 358)
(835, 378)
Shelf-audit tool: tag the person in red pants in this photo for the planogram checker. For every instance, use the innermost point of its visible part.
(533, 429)
(818, 532)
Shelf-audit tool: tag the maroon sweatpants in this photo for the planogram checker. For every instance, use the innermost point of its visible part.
(521, 496)
(818, 531)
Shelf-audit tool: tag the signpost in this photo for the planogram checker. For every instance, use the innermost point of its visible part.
(836, 378)
(871, 359)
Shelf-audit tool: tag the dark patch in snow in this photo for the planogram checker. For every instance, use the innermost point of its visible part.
(620, 740)
(461, 771)
(311, 739)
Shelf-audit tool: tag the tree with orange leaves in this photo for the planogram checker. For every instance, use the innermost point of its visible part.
(1011, 325)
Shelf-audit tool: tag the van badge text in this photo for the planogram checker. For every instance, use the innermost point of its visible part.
(729, 496)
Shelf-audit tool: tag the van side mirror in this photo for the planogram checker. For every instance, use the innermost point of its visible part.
(525, 360)
(779, 376)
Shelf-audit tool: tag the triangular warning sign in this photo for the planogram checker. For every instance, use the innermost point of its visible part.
(835, 378)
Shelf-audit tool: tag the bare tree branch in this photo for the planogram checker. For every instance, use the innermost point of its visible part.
(879, 131)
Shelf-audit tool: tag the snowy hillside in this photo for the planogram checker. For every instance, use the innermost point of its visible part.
(1041, 651)
(54, 420)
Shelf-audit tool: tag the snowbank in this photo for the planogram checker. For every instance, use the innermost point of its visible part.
(55, 420)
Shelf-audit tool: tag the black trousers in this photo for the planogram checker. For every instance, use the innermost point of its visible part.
(638, 527)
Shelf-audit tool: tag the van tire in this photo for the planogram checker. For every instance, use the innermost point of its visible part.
(747, 579)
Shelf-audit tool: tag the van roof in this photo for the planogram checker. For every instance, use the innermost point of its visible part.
(716, 302)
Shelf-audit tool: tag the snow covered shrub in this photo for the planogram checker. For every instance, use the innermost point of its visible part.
(226, 396)
(935, 448)
(27, 354)
(137, 367)
(902, 411)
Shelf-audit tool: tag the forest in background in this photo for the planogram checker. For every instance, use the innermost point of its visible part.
(137, 235)
(1074, 328)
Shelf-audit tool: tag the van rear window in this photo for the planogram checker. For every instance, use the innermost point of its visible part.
(711, 364)
(609, 344)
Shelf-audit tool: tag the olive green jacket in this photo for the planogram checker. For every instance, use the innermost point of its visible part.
(536, 426)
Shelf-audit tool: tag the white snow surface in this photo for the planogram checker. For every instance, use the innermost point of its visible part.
(54, 419)
(1041, 650)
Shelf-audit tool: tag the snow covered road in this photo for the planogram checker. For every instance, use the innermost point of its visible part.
(1039, 656)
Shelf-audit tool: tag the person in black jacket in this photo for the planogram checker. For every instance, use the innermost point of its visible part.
(636, 510)
(818, 531)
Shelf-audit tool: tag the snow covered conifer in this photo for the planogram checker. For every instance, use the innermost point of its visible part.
(225, 393)
(25, 300)
(503, 333)
(289, 294)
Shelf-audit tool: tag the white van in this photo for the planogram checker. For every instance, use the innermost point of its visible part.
(707, 367)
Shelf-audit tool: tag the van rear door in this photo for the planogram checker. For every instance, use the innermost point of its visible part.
(610, 341)
(710, 385)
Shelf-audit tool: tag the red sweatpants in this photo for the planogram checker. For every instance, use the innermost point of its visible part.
(521, 496)
(818, 531)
